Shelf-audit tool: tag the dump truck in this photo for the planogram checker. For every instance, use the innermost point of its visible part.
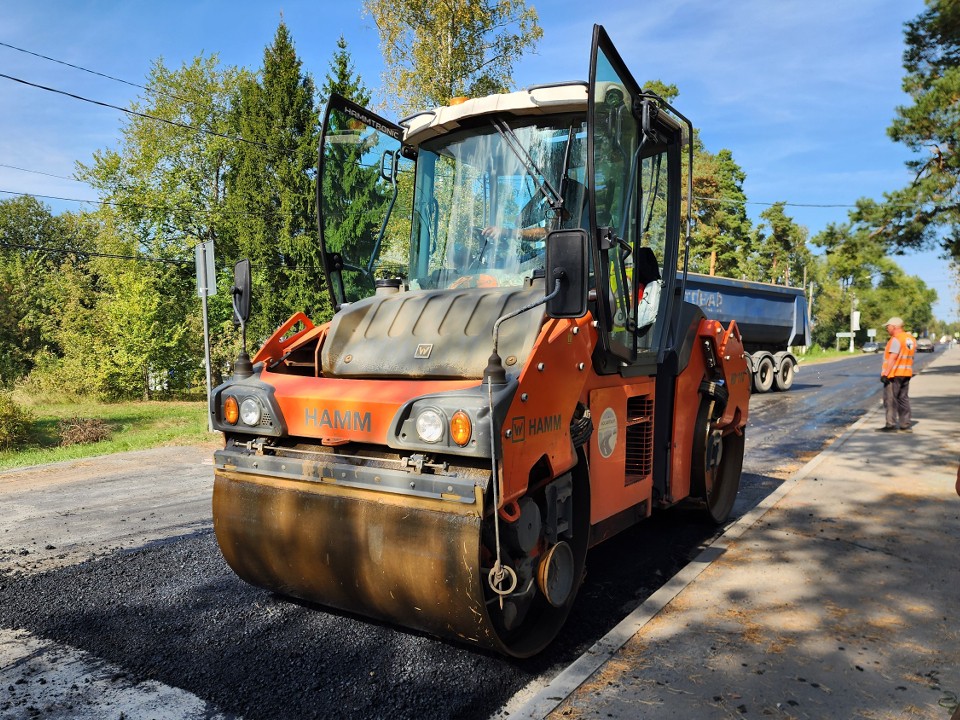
(510, 376)
(772, 320)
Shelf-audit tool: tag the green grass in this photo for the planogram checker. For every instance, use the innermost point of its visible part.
(817, 354)
(133, 426)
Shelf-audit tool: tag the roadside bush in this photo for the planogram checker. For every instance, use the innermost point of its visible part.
(79, 430)
(15, 423)
(57, 380)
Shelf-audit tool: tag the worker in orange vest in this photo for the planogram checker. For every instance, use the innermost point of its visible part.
(895, 375)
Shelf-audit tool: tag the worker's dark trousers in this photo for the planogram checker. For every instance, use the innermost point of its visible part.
(896, 399)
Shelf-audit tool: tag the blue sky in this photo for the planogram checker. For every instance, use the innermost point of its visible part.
(801, 91)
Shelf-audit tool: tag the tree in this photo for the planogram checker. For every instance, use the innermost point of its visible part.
(721, 242)
(435, 51)
(342, 79)
(722, 238)
(34, 244)
(782, 251)
(927, 211)
(854, 272)
(165, 191)
(271, 188)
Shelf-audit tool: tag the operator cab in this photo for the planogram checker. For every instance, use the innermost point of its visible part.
(467, 195)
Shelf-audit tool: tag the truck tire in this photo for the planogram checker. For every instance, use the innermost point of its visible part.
(783, 378)
(763, 375)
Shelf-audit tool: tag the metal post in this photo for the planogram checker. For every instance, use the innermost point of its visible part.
(854, 325)
(204, 291)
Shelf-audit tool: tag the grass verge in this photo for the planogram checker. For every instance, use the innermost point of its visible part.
(132, 426)
(817, 354)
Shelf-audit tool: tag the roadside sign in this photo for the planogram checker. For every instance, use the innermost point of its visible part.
(206, 286)
(206, 271)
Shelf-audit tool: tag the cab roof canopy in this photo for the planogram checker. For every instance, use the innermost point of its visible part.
(535, 100)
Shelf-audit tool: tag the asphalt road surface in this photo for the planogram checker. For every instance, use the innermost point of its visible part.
(116, 603)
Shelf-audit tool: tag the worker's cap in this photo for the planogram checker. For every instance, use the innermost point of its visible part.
(895, 321)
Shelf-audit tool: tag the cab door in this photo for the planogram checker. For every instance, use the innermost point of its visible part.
(633, 158)
(364, 194)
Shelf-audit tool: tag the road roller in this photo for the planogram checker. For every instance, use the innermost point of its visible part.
(510, 377)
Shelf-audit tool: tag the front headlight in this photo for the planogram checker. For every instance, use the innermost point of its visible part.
(250, 411)
(430, 426)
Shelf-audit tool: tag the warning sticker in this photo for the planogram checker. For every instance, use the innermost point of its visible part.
(607, 432)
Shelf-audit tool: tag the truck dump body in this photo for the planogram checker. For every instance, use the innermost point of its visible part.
(770, 317)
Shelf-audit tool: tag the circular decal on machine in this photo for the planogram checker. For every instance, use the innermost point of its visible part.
(607, 432)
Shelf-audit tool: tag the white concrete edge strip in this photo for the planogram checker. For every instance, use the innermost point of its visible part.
(538, 700)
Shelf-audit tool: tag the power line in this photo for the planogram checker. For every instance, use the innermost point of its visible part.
(38, 172)
(728, 201)
(121, 205)
(785, 203)
(93, 72)
(89, 253)
(147, 116)
(55, 197)
(725, 201)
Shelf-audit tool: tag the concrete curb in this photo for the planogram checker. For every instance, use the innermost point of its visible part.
(538, 700)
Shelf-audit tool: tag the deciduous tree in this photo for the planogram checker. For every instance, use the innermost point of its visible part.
(435, 51)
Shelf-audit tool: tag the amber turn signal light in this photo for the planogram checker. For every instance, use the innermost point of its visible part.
(231, 410)
(460, 428)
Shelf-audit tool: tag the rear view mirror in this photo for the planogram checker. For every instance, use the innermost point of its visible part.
(567, 261)
(241, 292)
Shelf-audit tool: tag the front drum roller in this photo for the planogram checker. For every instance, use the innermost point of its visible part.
(414, 562)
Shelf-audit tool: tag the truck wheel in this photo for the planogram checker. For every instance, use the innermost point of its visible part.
(716, 464)
(783, 378)
(763, 375)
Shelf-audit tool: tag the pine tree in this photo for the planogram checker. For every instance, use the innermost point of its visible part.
(927, 211)
(271, 189)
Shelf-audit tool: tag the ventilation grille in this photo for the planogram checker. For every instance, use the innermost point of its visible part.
(639, 439)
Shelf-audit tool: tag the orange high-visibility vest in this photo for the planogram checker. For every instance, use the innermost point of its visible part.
(899, 363)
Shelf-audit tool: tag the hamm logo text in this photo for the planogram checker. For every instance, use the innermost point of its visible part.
(338, 420)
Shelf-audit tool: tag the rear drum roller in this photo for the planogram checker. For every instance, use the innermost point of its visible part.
(716, 464)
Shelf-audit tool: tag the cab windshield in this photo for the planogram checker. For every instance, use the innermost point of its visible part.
(485, 199)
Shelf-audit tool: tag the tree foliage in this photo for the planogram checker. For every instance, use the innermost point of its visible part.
(342, 79)
(35, 250)
(435, 51)
(854, 273)
(165, 192)
(723, 235)
(271, 188)
(927, 211)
